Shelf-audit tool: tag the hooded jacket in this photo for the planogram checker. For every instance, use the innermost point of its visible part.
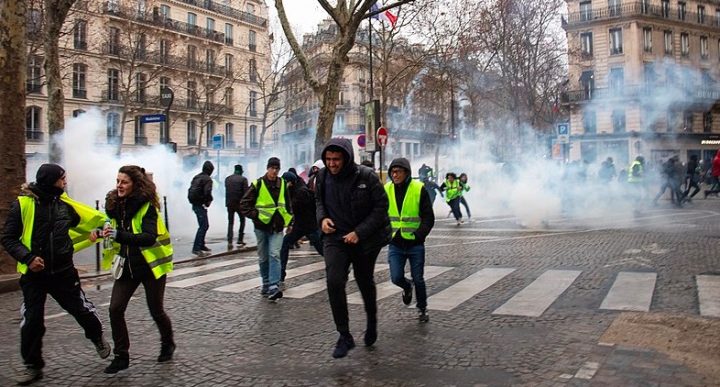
(354, 199)
(50, 238)
(427, 216)
(202, 183)
(235, 187)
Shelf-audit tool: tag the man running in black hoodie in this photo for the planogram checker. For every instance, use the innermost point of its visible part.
(412, 218)
(352, 210)
(200, 196)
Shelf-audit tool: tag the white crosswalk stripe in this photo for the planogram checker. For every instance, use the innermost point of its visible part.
(212, 277)
(631, 291)
(207, 266)
(313, 287)
(462, 291)
(534, 299)
(242, 286)
(387, 289)
(709, 295)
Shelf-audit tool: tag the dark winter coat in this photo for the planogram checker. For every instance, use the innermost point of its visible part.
(50, 237)
(202, 182)
(427, 216)
(303, 204)
(235, 187)
(248, 209)
(354, 199)
(123, 212)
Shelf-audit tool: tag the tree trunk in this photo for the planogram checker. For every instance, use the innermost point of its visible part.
(13, 59)
(326, 117)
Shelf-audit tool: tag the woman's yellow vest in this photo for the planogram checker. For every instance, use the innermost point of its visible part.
(266, 206)
(452, 190)
(409, 220)
(158, 256)
(90, 219)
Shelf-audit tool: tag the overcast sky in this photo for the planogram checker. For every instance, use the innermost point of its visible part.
(304, 15)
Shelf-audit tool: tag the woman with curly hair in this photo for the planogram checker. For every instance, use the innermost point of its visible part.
(142, 249)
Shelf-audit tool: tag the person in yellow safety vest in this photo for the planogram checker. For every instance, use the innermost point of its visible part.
(464, 187)
(453, 192)
(411, 219)
(42, 230)
(636, 180)
(140, 236)
(268, 204)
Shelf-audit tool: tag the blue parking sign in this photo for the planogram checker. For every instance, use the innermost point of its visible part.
(217, 141)
(563, 129)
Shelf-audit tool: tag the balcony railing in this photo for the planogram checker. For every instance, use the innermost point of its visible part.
(80, 45)
(228, 11)
(80, 93)
(195, 105)
(33, 88)
(34, 135)
(252, 47)
(636, 9)
(176, 62)
(681, 93)
(157, 20)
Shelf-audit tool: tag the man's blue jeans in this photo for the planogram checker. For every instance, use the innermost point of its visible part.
(291, 238)
(268, 247)
(397, 256)
(203, 225)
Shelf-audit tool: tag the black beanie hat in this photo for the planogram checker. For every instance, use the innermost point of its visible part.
(289, 177)
(48, 174)
(238, 169)
(273, 162)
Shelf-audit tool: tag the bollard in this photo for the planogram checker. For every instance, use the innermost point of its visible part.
(97, 245)
(167, 224)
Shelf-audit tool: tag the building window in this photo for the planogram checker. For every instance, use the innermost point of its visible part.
(616, 41)
(589, 121)
(141, 46)
(140, 87)
(616, 81)
(228, 64)
(229, 97)
(210, 60)
(253, 104)
(587, 83)
(250, 8)
(80, 35)
(665, 8)
(32, 123)
(647, 39)
(684, 44)
(252, 70)
(34, 22)
(707, 122)
(165, 11)
(672, 118)
(192, 19)
(191, 132)
(688, 121)
(141, 8)
(77, 112)
(210, 24)
(586, 43)
(253, 136)
(164, 83)
(650, 76)
(228, 34)
(164, 51)
(192, 56)
(585, 10)
(618, 119)
(682, 10)
(229, 135)
(192, 97)
(34, 67)
(112, 128)
(614, 7)
(140, 137)
(114, 41)
(645, 6)
(209, 132)
(252, 44)
(78, 81)
(701, 14)
(703, 47)
(668, 42)
(113, 93)
(717, 17)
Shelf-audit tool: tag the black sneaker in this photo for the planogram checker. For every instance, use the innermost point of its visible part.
(344, 344)
(407, 295)
(102, 347)
(166, 352)
(117, 364)
(265, 290)
(200, 253)
(275, 294)
(370, 334)
(422, 316)
(206, 249)
(29, 375)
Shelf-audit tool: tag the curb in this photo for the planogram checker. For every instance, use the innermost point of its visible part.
(11, 283)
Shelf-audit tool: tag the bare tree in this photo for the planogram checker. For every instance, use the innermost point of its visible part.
(347, 15)
(13, 58)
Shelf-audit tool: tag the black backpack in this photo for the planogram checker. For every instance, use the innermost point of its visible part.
(195, 192)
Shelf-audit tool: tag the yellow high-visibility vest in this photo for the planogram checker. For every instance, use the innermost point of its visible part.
(158, 256)
(408, 220)
(90, 219)
(635, 179)
(266, 206)
(452, 190)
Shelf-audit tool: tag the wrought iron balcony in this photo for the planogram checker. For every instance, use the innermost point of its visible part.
(636, 9)
(79, 93)
(228, 11)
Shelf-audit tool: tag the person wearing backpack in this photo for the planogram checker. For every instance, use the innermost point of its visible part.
(235, 187)
(200, 196)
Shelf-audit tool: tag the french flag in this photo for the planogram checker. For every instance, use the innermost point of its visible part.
(385, 15)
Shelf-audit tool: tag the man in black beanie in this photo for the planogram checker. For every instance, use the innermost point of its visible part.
(235, 187)
(40, 229)
(267, 203)
(200, 196)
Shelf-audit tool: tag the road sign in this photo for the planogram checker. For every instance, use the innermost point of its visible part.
(166, 97)
(217, 141)
(150, 118)
(361, 141)
(563, 132)
(382, 136)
